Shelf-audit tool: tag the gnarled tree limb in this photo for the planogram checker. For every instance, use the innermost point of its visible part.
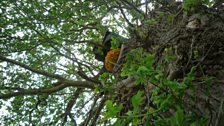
(31, 69)
(58, 87)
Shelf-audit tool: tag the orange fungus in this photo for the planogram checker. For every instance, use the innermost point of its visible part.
(111, 59)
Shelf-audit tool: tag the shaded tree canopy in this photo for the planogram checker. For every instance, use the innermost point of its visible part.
(168, 72)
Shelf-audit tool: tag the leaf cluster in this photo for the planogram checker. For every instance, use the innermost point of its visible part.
(165, 95)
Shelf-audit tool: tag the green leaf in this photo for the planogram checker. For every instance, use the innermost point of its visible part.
(136, 101)
(118, 123)
(149, 61)
(112, 110)
(179, 116)
(115, 43)
(147, 122)
(142, 69)
(166, 103)
(103, 77)
(161, 122)
(190, 77)
(151, 22)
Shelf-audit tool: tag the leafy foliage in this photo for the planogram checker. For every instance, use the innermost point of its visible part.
(194, 4)
(112, 110)
(46, 50)
(165, 95)
(49, 75)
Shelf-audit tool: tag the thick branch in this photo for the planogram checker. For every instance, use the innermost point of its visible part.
(31, 69)
(70, 105)
(84, 76)
(62, 85)
(90, 113)
(97, 114)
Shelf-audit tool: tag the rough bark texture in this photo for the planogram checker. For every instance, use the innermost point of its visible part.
(195, 39)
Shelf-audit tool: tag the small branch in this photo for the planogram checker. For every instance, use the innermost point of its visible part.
(129, 82)
(84, 76)
(31, 69)
(146, 7)
(132, 6)
(72, 119)
(84, 104)
(122, 12)
(206, 54)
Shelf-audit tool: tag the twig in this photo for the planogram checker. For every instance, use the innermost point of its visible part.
(220, 113)
(132, 6)
(202, 59)
(122, 12)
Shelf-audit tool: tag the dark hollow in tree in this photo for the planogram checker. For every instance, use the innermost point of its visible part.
(101, 52)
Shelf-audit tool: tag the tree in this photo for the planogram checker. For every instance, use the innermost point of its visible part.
(169, 71)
